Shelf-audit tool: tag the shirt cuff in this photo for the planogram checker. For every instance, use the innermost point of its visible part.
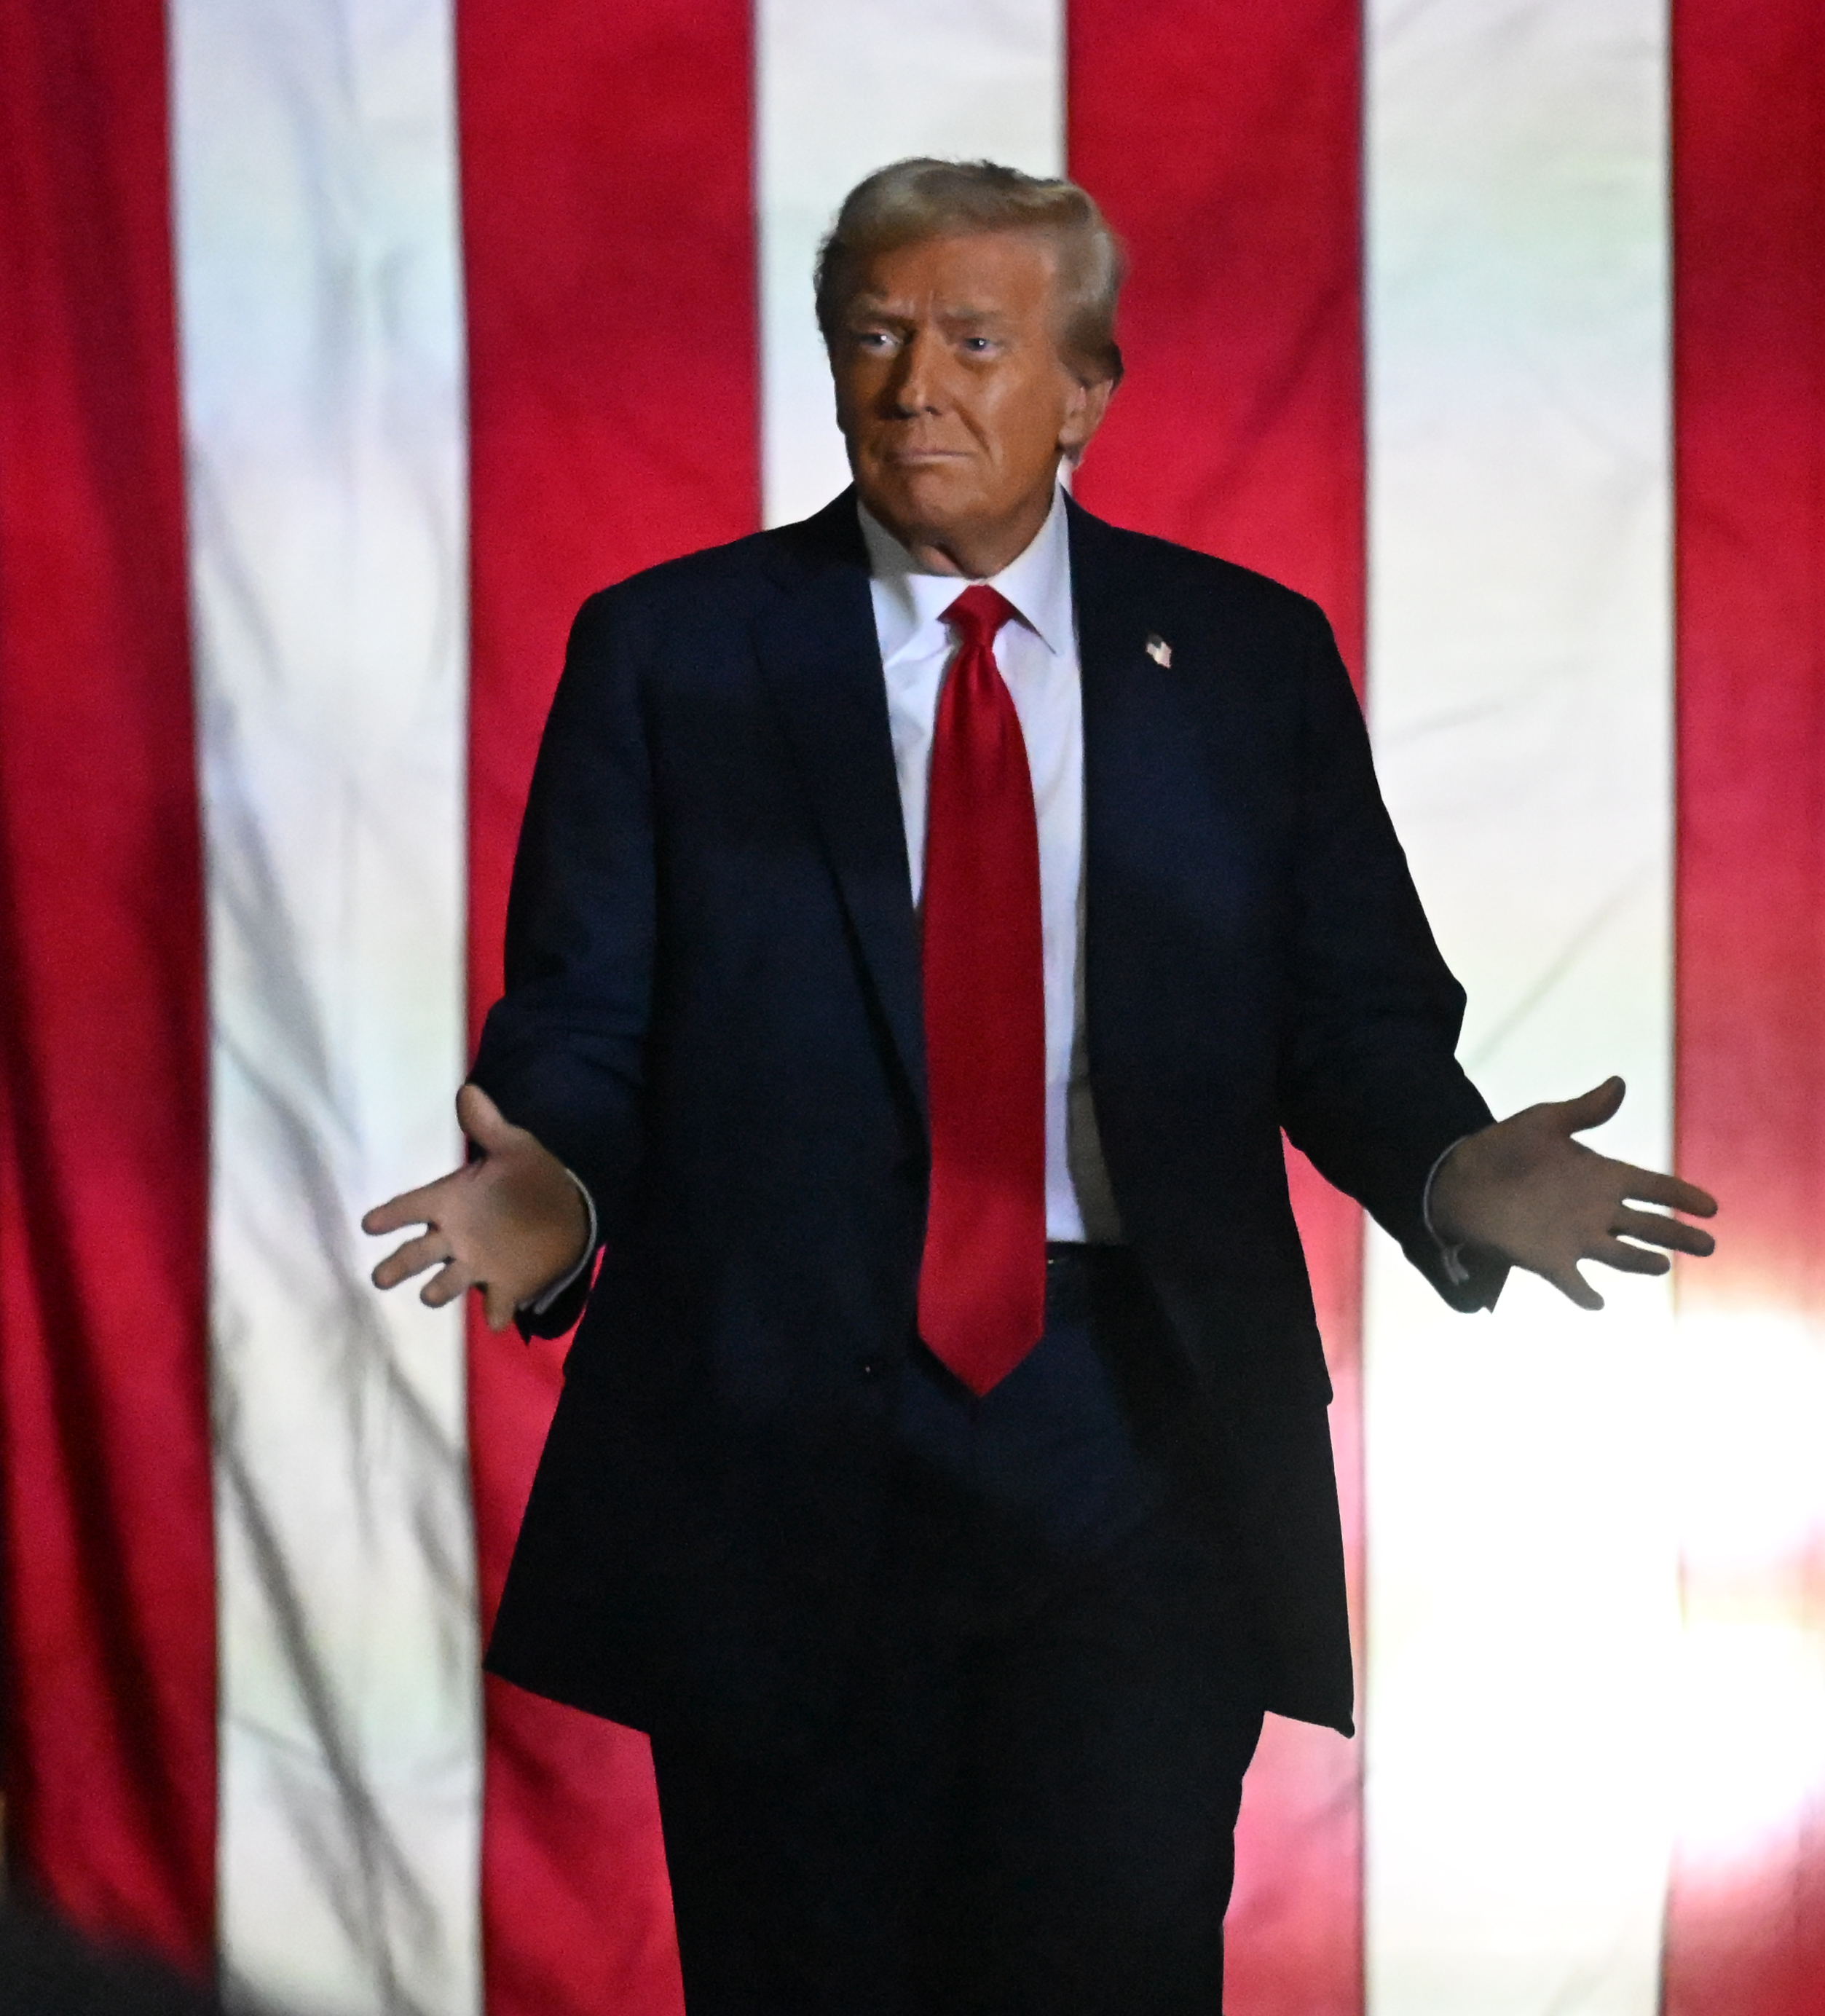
(536, 1305)
(1452, 1257)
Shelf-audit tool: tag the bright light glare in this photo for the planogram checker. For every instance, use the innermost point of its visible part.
(1750, 1428)
(1751, 1752)
(1750, 1411)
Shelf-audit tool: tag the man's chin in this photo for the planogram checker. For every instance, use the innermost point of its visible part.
(929, 501)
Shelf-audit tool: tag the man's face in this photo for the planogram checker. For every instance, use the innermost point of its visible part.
(952, 397)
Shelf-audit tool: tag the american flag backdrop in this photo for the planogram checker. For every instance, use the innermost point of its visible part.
(344, 346)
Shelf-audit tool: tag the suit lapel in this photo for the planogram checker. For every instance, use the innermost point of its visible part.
(819, 654)
(1128, 703)
(1152, 843)
(1169, 762)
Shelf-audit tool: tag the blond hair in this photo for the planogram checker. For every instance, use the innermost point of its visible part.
(912, 201)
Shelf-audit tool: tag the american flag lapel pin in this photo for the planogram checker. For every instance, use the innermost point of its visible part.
(1159, 650)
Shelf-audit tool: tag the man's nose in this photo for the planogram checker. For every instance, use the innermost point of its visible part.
(915, 385)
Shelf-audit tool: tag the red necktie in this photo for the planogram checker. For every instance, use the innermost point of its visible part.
(982, 1284)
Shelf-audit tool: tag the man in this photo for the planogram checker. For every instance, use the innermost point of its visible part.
(926, 919)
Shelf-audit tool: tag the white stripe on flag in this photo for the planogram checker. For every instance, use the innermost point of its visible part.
(1522, 1573)
(316, 228)
(843, 90)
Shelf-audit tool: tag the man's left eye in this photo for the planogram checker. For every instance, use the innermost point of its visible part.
(978, 344)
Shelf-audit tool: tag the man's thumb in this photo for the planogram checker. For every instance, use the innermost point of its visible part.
(481, 1121)
(1592, 1108)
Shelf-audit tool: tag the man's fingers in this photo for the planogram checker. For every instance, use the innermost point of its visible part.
(483, 1121)
(448, 1284)
(1592, 1108)
(1573, 1285)
(1658, 1230)
(451, 1281)
(422, 1206)
(412, 1258)
(1627, 1259)
(1526, 1189)
(1651, 1186)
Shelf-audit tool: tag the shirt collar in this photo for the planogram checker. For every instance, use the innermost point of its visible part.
(909, 604)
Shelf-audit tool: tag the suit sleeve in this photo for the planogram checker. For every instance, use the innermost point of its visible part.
(1370, 1086)
(563, 1051)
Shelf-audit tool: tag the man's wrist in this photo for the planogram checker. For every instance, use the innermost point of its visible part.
(536, 1305)
(1450, 1251)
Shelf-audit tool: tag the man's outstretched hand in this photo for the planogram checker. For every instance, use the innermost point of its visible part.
(509, 1223)
(1523, 1188)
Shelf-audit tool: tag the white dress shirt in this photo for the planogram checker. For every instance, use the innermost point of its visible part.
(1036, 656)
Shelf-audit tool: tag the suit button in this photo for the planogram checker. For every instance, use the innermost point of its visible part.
(872, 1368)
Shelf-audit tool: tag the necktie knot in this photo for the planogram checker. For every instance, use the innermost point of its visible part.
(977, 614)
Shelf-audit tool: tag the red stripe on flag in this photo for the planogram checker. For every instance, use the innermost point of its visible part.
(1748, 1939)
(108, 1552)
(614, 403)
(1224, 141)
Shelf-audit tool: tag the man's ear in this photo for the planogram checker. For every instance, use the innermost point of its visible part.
(1090, 401)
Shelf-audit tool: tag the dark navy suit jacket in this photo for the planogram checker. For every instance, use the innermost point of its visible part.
(713, 1016)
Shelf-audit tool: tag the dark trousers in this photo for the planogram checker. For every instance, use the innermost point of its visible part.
(1028, 1807)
